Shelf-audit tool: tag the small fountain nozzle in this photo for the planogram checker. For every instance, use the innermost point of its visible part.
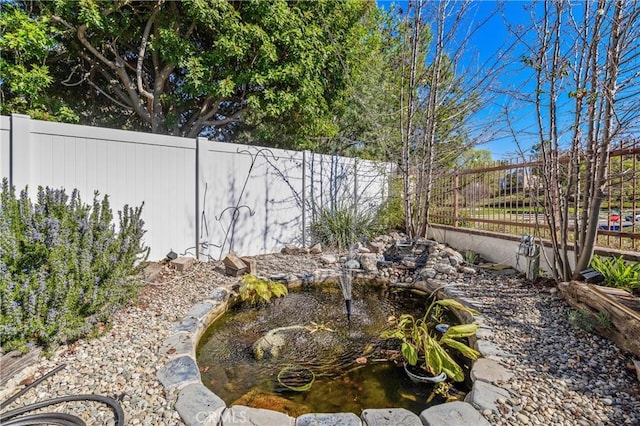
(345, 285)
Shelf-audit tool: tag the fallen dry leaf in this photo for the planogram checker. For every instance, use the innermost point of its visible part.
(27, 381)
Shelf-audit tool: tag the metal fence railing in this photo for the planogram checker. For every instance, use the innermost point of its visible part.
(507, 197)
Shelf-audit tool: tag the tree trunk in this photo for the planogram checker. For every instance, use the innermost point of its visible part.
(608, 133)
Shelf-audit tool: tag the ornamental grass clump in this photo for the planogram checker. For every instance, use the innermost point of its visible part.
(63, 267)
(342, 226)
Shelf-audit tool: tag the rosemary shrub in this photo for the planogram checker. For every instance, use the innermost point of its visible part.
(63, 267)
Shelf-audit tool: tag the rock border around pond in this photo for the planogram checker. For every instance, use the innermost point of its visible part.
(197, 405)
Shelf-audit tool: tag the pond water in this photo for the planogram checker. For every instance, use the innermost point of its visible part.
(317, 338)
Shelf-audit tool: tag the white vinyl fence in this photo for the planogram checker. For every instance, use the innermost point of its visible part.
(200, 197)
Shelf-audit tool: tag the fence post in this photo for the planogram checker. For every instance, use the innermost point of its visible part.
(456, 195)
(355, 186)
(197, 206)
(19, 147)
(304, 198)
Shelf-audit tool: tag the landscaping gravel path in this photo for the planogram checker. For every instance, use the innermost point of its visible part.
(562, 376)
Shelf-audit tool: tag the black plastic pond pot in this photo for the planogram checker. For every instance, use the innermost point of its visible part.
(420, 378)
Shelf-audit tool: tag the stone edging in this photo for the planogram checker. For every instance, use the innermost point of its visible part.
(197, 405)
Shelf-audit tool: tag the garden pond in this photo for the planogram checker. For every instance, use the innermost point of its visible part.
(299, 354)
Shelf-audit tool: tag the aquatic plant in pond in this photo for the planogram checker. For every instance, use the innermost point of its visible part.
(255, 290)
(422, 346)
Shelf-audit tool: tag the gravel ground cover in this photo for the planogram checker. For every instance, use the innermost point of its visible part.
(563, 376)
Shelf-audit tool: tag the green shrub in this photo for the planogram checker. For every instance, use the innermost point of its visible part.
(618, 273)
(471, 257)
(256, 290)
(342, 226)
(390, 216)
(63, 267)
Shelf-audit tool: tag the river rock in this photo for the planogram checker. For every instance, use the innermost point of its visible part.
(466, 270)
(453, 413)
(376, 246)
(485, 396)
(352, 264)
(315, 249)
(490, 371)
(454, 257)
(328, 419)
(444, 268)
(178, 372)
(289, 249)
(369, 261)
(240, 415)
(328, 259)
(196, 401)
(269, 345)
(390, 417)
(428, 273)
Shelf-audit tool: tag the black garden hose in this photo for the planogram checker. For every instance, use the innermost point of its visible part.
(32, 385)
(62, 419)
(10, 418)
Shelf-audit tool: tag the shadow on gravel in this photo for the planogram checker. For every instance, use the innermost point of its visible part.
(578, 363)
(582, 376)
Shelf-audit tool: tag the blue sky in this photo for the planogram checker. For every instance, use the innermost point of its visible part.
(492, 37)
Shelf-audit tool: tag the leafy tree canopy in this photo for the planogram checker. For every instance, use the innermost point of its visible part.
(200, 66)
(25, 46)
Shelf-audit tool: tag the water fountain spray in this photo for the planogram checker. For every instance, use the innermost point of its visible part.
(345, 285)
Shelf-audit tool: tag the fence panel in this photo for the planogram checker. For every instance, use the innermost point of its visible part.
(330, 181)
(200, 196)
(250, 198)
(371, 185)
(620, 224)
(130, 167)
